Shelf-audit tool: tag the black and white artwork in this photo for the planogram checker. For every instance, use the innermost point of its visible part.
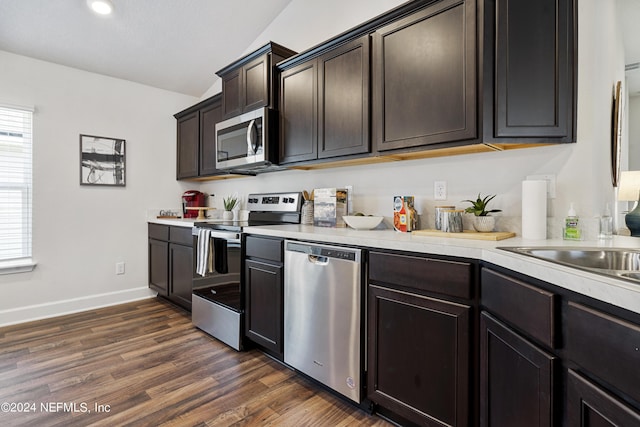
(102, 160)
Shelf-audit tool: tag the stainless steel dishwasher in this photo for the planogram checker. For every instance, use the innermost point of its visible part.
(322, 314)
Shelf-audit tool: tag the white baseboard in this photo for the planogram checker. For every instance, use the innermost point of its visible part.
(60, 308)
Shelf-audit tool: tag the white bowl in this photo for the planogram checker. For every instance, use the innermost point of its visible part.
(362, 222)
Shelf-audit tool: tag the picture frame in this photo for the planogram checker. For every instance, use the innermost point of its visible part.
(102, 161)
(616, 133)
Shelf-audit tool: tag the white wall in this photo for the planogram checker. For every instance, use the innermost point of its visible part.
(582, 169)
(81, 231)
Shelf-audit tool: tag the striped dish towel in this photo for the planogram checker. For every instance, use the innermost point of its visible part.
(204, 264)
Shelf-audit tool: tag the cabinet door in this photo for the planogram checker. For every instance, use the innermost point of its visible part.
(424, 77)
(180, 274)
(231, 93)
(255, 90)
(419, 357)
(590, 406)
(188, 143)
(516, 379)
(264, 305)
(534, 76)
(298, 113)
(343, 110)
(158, 266)
(209, 116)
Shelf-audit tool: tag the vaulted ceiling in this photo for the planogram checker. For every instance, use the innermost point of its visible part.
(176, 45)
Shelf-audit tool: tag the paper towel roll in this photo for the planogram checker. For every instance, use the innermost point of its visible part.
(534, 209)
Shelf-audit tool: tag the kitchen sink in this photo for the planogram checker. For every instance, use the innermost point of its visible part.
(619, 263)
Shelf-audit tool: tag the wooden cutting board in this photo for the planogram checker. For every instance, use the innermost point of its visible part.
(467, 234)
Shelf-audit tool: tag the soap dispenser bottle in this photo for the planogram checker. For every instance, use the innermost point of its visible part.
(571, 230)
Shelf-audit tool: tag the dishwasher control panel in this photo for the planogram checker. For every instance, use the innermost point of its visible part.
(324, 251)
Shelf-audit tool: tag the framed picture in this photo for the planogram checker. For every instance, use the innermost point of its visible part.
(616, 133)
(102, 161)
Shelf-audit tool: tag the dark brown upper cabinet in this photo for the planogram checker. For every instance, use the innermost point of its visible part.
(248, 83)
(530, 71)
(424, 77)
(324, 105)
(446, 77)
(298, 113)
(196, 137)
(209, 116)
(188, 141)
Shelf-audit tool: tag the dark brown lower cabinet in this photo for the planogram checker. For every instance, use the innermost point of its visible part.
(171, 267)
(159, 266)
(419, 356)
(516, 378)
(590, 406)
(264, 293)
(264, 305)
(181, 274)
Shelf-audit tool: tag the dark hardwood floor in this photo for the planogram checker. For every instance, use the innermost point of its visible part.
(144, 364)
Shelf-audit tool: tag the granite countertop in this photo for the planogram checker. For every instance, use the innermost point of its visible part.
(622, 293)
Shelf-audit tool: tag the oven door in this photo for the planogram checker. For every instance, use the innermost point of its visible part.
(226, 265)
(216, 302)
(241, 140)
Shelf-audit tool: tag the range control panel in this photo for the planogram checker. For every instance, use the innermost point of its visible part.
(274, 202)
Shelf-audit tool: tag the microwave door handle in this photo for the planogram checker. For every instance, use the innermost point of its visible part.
(252, 145)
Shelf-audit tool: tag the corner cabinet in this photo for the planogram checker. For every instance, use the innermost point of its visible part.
(530, 68)
(324, 105)
(420, 340)
(196, 137)
(264, 293)
(424, 77)
(171, 265)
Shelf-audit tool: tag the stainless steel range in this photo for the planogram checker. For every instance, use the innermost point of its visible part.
(217, 300)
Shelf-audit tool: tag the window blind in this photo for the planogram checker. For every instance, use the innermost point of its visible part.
(15, 182)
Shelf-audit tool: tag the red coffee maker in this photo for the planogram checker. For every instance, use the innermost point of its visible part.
(192, 199)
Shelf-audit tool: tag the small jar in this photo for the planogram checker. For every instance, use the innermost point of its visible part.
(438, 215)
(307, 213)
(452, 221)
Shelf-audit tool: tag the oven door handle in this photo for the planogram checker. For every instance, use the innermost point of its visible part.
(219, 234)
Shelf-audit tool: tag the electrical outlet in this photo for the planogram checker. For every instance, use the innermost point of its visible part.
(440, 190)
(551, 183)
(119, 267)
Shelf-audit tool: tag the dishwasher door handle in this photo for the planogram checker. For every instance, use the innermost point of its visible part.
(318, 260)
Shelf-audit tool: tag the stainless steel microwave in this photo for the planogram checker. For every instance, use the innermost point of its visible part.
(247, 141)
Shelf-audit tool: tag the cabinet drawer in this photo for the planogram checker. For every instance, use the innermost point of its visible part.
(158, 232)
(181, 235)
(531, 309)
(265, 248)
(605, 346)
(454, 278)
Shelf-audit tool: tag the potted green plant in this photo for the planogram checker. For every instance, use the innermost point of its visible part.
(482, 221)
(229, 203)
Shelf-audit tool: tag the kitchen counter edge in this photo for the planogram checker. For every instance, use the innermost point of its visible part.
(613, 291)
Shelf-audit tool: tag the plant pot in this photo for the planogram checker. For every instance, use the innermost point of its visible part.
(227, 215)
(484, 224)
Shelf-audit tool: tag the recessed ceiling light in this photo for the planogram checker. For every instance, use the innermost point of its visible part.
(103, 7)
